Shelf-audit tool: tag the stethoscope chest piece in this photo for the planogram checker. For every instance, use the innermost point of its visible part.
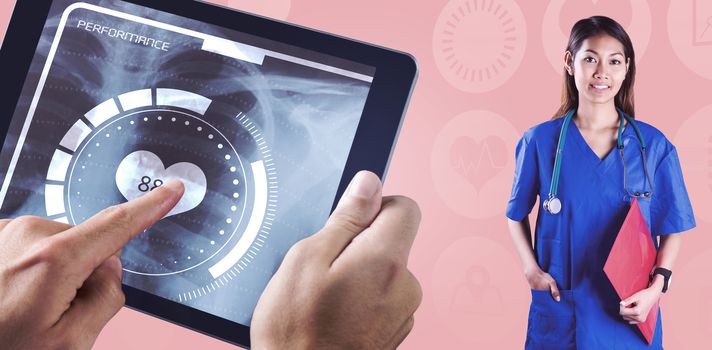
(552, 205)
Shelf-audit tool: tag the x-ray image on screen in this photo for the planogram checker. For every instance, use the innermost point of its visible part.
(121, 99)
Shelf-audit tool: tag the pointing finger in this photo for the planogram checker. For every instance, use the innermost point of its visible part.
(102, 235)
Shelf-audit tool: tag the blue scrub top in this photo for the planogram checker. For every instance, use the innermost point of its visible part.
(573, 245)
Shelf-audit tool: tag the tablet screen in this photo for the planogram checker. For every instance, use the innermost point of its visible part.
(121, 98)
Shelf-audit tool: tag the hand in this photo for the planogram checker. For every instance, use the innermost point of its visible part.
(347, 286)
(635, 308)
(60, 284)
(540, 280)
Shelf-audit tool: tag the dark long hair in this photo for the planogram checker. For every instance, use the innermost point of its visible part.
(582, 30)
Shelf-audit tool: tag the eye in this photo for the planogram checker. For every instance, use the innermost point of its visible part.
(589, 59)
(616, 62)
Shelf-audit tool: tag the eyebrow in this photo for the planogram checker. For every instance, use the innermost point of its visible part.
(613, 54)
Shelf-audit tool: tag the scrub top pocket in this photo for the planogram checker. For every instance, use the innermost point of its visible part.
(551, 324)
(553, 258)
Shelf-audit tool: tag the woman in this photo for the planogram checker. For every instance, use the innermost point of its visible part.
(574, 306)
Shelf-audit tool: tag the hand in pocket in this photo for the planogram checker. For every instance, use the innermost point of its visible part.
(540, 280)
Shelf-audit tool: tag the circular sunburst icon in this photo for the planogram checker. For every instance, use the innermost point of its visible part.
(478, 44)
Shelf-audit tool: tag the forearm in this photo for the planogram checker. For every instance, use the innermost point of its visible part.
(521, 237)
(669, 248)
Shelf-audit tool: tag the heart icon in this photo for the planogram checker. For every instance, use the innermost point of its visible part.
(478, 161)
(142, 171)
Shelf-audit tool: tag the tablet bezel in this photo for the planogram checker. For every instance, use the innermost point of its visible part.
(372, 147)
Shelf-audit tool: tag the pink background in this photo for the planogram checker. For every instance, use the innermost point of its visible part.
(487, 75)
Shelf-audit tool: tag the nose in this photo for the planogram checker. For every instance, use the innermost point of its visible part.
(601, 72)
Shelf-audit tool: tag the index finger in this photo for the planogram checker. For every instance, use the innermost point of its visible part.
(395, 227)
(99, 237)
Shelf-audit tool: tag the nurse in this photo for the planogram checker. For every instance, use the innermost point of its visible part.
(574, 306)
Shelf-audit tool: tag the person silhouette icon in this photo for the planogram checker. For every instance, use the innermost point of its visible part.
(476, 295)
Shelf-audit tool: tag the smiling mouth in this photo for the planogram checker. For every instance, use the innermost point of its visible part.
(599, 87)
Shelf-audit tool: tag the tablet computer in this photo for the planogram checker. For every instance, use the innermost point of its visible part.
(265, 122)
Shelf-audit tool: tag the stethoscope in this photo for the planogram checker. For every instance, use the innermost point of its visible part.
(553, 204)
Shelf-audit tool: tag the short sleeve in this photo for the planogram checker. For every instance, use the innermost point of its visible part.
(670, 208)
(525, 186)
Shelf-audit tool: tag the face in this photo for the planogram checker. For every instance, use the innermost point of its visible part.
(599, 69)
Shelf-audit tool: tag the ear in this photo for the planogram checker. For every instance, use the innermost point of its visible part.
(569, 62)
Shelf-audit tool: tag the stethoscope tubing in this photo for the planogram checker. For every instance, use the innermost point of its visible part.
(552, 204)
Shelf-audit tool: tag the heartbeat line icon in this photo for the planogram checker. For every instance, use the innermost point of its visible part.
(477, 161)
(467, 166)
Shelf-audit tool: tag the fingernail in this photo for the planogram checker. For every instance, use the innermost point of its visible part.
(176, 188)
(114, 264)
(174, 185)
(558, 298)
(364, 185)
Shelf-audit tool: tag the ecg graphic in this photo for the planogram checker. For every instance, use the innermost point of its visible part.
(478, 161)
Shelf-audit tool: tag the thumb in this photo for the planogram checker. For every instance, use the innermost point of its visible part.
(355, 212)
(554, 291)
(630, 300)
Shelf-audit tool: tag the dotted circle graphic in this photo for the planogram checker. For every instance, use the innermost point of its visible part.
(478, 45)
(113, 155)
(108, 142)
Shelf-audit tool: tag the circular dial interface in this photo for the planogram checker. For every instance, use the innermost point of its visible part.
(129, 146)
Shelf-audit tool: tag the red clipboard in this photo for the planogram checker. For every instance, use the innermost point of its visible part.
(630, 261)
